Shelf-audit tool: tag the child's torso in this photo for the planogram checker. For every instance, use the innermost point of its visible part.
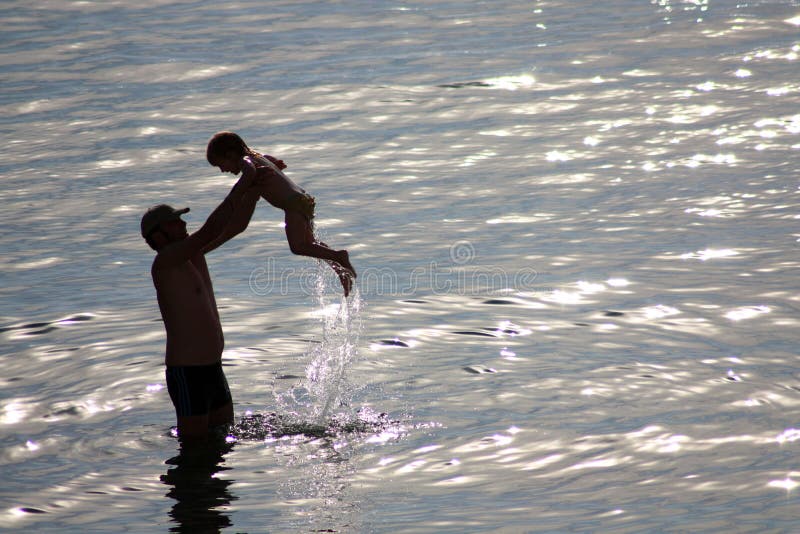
(278, 187)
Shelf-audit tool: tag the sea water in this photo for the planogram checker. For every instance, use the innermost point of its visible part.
(575, 227)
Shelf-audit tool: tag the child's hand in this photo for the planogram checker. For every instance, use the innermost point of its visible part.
(265, 172)
(277, 162)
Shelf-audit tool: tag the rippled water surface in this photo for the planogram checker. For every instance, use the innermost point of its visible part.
(576, 228)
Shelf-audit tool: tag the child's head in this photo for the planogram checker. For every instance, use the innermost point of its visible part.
(225, 150)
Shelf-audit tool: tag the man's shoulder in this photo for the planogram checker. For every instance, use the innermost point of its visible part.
(159, 268)
(170, 258)
(168, 274)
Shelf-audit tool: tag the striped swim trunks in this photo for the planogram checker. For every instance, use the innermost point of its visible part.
(197, 390)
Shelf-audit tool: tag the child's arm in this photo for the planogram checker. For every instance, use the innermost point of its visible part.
(275, 161)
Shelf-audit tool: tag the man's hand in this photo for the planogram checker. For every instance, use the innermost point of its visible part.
(249, 174)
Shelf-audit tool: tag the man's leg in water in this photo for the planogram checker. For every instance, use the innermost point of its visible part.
(221, 416)
(192, 388)
(193, 428)
(197, 427)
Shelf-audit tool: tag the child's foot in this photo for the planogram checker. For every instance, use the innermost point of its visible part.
(344, 261)
(345, 276)
(347, 281)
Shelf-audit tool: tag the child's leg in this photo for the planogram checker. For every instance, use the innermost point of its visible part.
(343, 269)
(302, 242)
(301, 238)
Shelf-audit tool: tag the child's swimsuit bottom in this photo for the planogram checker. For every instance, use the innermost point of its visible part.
(197, 390)
(302, 203)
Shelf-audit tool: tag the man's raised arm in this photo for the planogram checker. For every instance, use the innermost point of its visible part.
(214, 226)
(237, 224)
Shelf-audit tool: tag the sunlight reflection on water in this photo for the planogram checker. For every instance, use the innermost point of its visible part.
(575, 235)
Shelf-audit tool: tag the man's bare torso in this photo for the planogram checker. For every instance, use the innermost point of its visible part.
(189, 311)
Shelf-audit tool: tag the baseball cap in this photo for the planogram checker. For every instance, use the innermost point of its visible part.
(158, 214)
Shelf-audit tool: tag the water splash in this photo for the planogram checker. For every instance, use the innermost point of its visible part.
(326, 374)
(321, 406)
(260, 426)
(323, 399)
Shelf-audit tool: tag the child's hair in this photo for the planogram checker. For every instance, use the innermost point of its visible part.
(223, 143)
